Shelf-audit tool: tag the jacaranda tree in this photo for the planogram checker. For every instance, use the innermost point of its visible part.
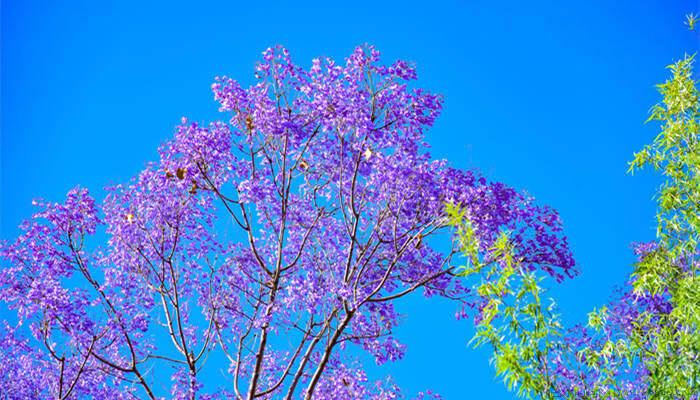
(263, 251)
(644, 344)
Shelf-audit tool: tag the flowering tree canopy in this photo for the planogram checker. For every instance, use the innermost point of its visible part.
(274, 241)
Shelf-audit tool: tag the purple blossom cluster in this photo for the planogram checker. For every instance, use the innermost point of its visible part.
(277, 240)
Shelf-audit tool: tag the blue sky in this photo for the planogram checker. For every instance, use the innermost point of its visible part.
(547, 96)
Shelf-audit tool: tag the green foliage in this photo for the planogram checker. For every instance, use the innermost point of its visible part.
(513, 319)
(522, 332)
(597, 318)
(673, 352)
(691, 21)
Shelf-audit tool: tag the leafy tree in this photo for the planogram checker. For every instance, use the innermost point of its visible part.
(512, 317)
(645, 344)
(277, 240)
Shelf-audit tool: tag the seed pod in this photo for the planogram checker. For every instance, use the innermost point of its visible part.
(419, 241)
(181, 173)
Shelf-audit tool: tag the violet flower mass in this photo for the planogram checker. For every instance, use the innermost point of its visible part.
(276, 240)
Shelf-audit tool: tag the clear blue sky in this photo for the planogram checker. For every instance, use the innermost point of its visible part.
(547, 96)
